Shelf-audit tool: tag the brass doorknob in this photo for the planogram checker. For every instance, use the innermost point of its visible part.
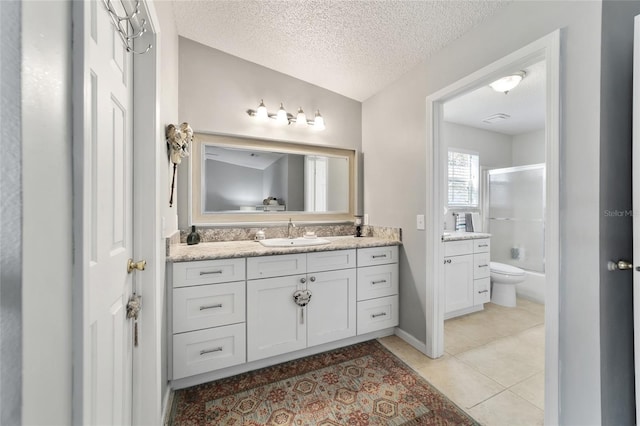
(131, 265)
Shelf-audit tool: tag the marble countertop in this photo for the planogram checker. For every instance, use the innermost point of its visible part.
(457, 236)
(233, 249)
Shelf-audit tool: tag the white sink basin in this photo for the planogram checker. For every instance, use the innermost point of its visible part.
(293, 242)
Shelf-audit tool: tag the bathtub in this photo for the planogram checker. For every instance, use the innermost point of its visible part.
(532, 287)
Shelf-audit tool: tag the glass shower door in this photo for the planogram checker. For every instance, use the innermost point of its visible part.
(516, 216)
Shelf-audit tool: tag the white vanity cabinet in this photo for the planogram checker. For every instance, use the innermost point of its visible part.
(277, 324)
(377, 288)
(228, 316)
(466, 276)
(208, 316)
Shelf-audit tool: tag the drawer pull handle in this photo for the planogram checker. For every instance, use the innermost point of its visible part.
(219, 271)
(208, 351)
(381, 314)
(482, 266)
(378, 256)
(483, 245)
(218, 305)
(483, 291)
(378, 282)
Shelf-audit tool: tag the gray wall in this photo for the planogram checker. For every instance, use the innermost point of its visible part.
(216, 89)
(229, 186)
(47, 218)
(394, 135)
(276, 180)
(494, 148)
(528, 148)
(616, 289)
(11, 214)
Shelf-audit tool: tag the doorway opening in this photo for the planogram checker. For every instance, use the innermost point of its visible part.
(546, 51)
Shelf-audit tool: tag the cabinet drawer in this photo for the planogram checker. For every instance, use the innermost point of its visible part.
(377, 314)
(481, 246)
(481, 291)
(205, 306)
(276, 266)
(207, 350)
(481, 268)
(331, 260)
(208, 272)
(457, 248)
(377, 281)
(377, 256)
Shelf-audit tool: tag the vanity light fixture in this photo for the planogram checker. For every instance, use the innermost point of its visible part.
(505, 84)
(283, 117)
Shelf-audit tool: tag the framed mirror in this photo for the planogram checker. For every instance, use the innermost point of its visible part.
(252, 181)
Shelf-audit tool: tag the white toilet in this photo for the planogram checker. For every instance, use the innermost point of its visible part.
(503, 283)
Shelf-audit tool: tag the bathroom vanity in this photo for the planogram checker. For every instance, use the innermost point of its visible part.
(237, 306)
(466, 272)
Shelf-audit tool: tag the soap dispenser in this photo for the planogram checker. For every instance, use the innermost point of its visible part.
(358, 223)
(193, 237)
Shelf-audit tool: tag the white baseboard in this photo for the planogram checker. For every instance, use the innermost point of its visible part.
(167, 402)
(422, 347)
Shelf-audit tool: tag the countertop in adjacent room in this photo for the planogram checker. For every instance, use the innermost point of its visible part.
(457, 236)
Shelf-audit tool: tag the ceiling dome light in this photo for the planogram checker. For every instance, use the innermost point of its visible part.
(507, 83)
(282, 118)
(261, 112)
(318, 122)
(301, 119)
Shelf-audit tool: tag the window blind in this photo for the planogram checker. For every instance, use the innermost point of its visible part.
(463, 171)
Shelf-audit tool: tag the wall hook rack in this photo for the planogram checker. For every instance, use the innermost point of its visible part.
(126, 28)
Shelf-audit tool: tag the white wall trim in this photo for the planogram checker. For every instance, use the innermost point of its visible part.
(547, 48)
(167, 402)
(148, 244)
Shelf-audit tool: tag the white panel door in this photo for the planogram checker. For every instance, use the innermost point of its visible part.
(275, 323)
(107, 221)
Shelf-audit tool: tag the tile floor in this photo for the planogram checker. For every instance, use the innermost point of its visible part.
(493, 366)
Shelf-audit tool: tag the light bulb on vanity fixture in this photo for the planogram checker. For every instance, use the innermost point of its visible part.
(507, 83)
(301, 118)
(261, 113)
(318, 121)
(283, 117)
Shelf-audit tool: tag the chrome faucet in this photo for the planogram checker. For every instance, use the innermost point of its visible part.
(291, 225)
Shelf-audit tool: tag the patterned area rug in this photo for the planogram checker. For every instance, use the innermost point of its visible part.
(359, 385)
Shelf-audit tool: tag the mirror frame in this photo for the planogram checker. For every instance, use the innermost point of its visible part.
(196, 216)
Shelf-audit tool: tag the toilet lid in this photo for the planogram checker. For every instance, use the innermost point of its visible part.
(503, 268)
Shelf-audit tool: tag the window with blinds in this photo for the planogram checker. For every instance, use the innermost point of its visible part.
(464, 177)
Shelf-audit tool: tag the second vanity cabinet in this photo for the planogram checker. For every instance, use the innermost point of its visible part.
(466, 276)
(325, 311)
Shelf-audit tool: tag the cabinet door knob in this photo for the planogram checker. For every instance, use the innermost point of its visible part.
(313, 279)
(303, 280)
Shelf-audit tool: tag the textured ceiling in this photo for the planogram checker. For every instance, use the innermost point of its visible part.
(351, 47)
(525, 104)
